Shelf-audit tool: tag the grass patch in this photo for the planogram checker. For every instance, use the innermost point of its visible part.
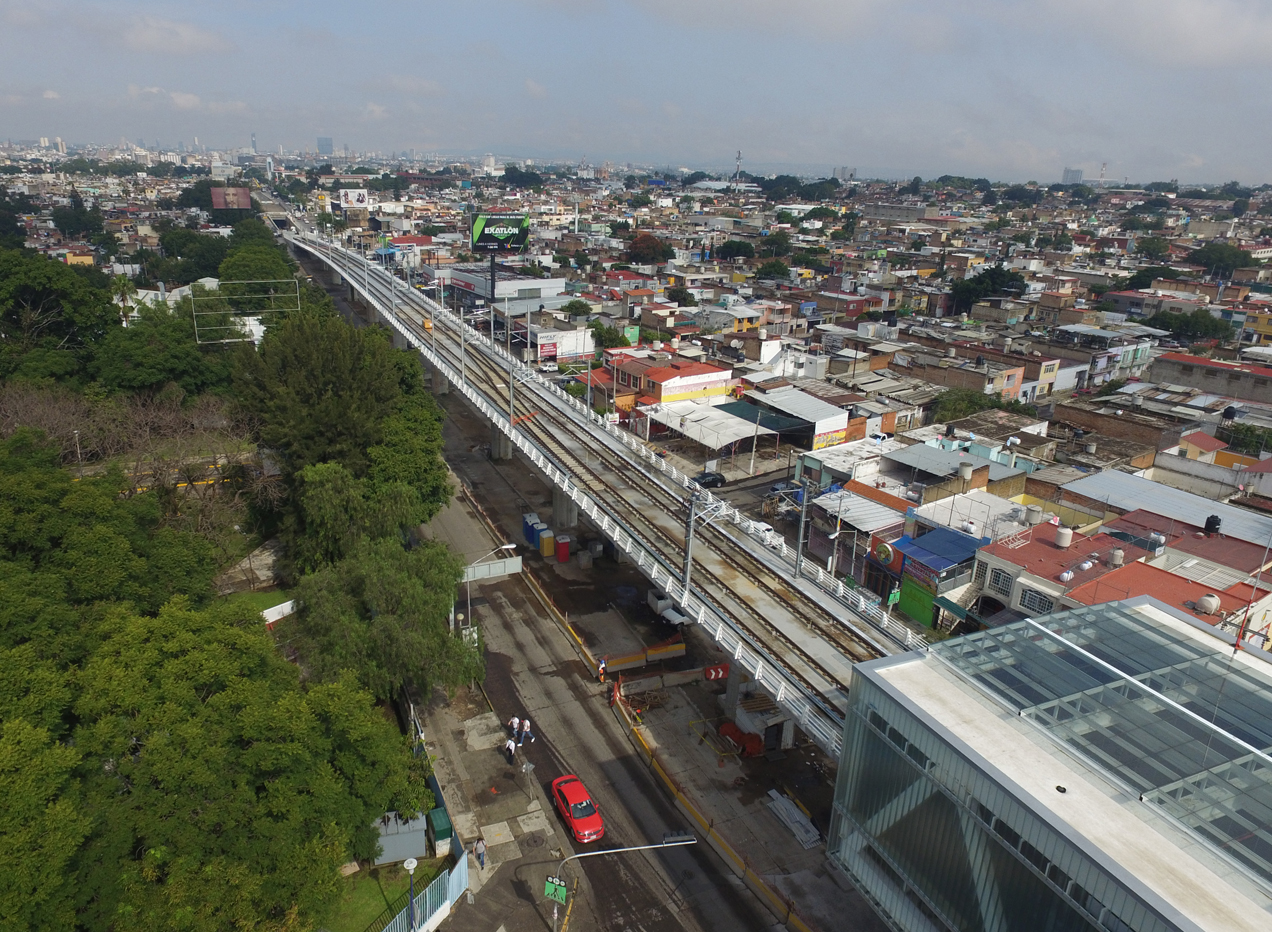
(257, 601)
(371, 898)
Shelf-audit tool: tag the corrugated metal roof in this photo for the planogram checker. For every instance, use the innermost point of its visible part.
(859, 512)
(799, 404)
(941, 462)
(1122, 490)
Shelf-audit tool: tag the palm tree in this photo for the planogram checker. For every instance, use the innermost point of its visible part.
(122, 287)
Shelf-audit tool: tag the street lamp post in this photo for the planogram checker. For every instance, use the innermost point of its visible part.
(410, 864)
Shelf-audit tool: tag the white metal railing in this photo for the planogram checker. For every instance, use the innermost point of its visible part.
(822, 723)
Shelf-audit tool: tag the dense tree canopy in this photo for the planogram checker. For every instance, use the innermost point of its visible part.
(993, 281)
(647, 249)
(735, 249)
(382, 612)
(1199, 325)
(775, 269)
(1220, 259)
(321, 388)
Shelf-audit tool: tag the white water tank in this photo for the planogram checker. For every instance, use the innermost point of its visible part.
(1208, 604)
(969, 527)
(1064, 537)
(965, 471)
(1066, 576)
(1117, 557)
(1033, 515)
(1085, 565)
(763, 333)
(656, 345)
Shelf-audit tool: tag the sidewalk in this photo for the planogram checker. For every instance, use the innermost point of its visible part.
(488, 798)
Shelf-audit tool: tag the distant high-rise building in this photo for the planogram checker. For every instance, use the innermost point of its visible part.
(325, 147)
(61, 146)
(844, 174)
(253, 143)
(44, 142)
(1072, 176)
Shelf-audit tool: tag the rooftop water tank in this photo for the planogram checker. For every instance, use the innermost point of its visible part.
(1208, 604)
(1033, 515)
(1064, 537)
(965, 471)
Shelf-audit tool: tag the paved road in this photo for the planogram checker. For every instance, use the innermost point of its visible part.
(532, 670)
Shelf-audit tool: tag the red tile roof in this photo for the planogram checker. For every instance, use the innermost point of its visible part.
(1203, 441)
(1141, 579)
(1036, 552)
(1215, 364)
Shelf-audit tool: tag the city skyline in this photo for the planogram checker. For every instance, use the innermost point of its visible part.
(893, 90)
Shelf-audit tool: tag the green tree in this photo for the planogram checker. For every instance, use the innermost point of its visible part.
(776, 244)
(383, 613)
(321, 389)
(227, 796)
(50, 316)
(1152, 248)
(265, 267)
(735, 249)
(157, 348)
(577, 307)
(1220, 259)
(1144, 278)
(956, 403)
(647, 249)
(124, 289)
(1199, 325)
(915, 187)
(775, 269)
(42, 825)
(608, 337)
(821, 213)
(992, 281)
(682, 296)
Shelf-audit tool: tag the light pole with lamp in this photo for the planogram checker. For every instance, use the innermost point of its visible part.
(410, 864)
(469, 581)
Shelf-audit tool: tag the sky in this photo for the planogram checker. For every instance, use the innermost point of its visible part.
(1012, 90)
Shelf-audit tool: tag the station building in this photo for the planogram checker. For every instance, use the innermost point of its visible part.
(1106, 768)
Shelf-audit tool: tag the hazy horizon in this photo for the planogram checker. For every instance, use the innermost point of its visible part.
(1006, 91)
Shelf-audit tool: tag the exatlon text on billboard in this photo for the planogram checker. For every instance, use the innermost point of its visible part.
(500, 232)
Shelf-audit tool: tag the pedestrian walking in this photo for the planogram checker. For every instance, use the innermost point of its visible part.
(525, 733)
(479, 850)
(600, 668)
(511, 748)
(513, 724)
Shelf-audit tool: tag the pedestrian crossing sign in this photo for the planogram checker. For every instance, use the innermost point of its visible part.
(554, 889)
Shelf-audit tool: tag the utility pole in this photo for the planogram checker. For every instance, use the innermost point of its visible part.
(688, 568)
(803, 518)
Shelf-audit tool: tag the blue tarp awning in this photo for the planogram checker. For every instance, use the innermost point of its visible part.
(939, 549)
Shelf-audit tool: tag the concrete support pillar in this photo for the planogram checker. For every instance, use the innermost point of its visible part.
(500, 444)
(733, 690)
(565, 511)
(441, 384)
(335, 277)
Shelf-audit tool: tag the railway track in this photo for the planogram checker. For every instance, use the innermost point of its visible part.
(796, 640)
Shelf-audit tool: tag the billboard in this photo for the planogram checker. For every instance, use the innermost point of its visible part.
(231, 199)
(354, 197)
(500, 232)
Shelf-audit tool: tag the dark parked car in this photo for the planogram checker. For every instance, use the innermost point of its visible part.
(709, 480)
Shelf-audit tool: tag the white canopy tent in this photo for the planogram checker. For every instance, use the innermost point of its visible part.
(705, 424)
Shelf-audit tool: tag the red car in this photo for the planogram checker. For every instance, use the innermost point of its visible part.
(578, 808)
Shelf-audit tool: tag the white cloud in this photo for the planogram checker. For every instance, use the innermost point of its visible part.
(51, 94)
(535, 89)
(416, 86)
(166, 36)
(376, 111)
(184, 101)
(1178, 33)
